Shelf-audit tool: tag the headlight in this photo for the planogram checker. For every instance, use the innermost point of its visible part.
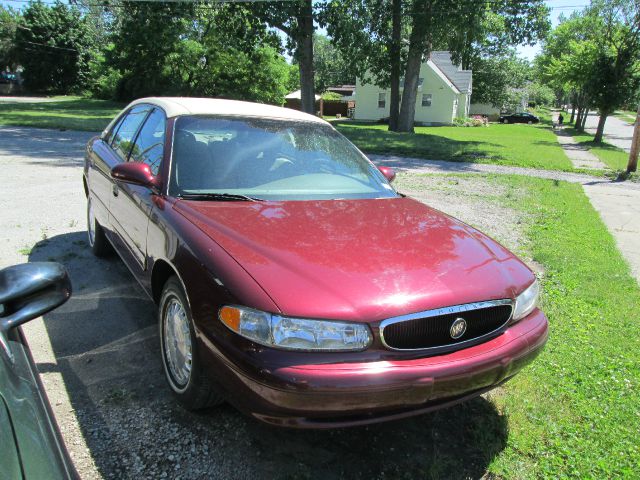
(527, 301)
(295, 333)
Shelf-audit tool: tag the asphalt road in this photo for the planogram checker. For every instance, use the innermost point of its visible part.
(99, 358)
(616, 132)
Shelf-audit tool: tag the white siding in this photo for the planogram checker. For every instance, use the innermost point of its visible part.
(441, 110)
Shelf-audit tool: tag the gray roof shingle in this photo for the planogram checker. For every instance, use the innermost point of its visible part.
(460, 78)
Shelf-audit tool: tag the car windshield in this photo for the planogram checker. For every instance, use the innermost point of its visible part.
(269, 159)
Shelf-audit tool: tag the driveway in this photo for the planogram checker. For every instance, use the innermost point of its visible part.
(99, 360)
(616, 132)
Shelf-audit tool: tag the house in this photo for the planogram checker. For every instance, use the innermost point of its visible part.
(444, 93)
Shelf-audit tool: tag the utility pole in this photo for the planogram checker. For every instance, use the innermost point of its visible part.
(635, 145)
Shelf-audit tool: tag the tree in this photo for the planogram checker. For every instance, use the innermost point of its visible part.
(595, 54)
(494, 77)
(331, 68)
(461, 27)
(616, 69)
(9, 20)
(54, 45)
(295, 19)
(220, 50)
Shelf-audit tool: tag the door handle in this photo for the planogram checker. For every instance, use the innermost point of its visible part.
(115, 190)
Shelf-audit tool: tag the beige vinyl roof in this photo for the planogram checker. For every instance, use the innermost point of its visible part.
(176, 106)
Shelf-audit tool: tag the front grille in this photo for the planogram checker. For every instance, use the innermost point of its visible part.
(432, 329)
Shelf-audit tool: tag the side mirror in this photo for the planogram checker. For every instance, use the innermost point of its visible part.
(137, 173)
(388, 173)
(28, 291)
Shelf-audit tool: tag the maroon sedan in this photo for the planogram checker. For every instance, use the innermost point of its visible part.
(291, 279)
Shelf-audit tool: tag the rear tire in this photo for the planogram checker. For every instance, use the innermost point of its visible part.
(179, 348)
(97, 239)
(529, 122)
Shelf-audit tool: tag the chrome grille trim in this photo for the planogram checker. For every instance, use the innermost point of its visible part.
(446, 311)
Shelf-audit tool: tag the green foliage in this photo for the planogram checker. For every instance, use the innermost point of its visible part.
(54, 45)
(331, 96)
(9, 19)
(331, 67)
(540, 94)
(496, 76)
(197, 50)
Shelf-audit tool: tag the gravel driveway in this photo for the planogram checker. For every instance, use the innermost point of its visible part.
(99, 360)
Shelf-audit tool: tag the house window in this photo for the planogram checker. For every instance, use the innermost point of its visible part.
(382, 100)
(426, 99)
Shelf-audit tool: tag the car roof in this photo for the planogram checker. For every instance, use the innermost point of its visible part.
(176, 106)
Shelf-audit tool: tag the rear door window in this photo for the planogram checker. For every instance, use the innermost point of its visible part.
(149, 146)
(123, 139)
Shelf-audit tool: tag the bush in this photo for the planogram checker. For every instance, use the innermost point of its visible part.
(474, 121)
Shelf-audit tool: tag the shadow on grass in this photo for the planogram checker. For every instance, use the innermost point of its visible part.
(420, 145)
(106, 347)
(80, 114)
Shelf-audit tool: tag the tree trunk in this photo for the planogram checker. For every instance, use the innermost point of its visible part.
(600, 130)
(635, 145)
(419, 45)
(304, 50)
(585, 115)
(394, 52)
(578, 118)
(574, 100)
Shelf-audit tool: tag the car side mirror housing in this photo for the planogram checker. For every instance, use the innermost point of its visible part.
(137, 173)
(30, 290)
(388, 172)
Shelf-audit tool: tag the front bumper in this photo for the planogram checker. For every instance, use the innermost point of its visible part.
(346, 394)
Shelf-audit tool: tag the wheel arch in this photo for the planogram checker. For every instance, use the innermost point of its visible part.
(161, 272)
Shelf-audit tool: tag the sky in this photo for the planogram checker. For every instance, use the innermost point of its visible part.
(558, 7)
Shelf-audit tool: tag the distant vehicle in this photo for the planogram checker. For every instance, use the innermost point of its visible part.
(523, 117)
(291, 278)
(31, 444)
(8, 77)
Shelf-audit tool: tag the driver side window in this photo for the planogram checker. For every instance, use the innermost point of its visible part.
(149, 146)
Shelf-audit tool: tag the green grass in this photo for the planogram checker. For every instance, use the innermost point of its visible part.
(533, 146)
(574, 412)
(68, 113)
(626, 115)
(615, 158)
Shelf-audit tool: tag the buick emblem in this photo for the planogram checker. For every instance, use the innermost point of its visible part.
(458, 327)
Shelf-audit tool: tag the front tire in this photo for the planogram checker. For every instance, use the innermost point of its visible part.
(505, 121)
(97, 239)
(192, 388)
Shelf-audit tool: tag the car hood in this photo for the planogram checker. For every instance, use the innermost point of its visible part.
(361, 260)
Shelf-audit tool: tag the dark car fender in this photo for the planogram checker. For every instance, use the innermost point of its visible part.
(209, 275)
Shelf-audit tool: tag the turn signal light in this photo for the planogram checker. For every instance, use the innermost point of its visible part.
(230, 316)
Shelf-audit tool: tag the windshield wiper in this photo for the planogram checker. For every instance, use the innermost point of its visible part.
(218, 196)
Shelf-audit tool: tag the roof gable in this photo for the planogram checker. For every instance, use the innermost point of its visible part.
(460, 78)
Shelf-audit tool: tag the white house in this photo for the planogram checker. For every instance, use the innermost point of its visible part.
(444, 92)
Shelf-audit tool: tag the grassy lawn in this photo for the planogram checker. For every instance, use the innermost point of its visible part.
(532, 146)
(615, 158)
(626, 115)
(574, 412)
(69, 113)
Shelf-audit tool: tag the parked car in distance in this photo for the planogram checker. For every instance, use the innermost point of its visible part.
(291, 279)
(31, 444)
(523, 117)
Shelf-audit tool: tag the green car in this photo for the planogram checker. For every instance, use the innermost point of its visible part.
(30, 443)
